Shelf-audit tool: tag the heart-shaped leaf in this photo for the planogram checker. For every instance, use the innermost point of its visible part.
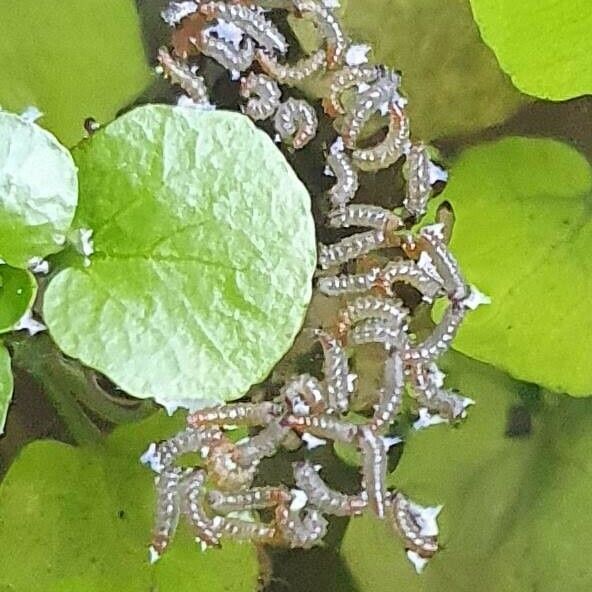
(38, 191)
(6, 385)
(18, 289)
(204, 252)
(71, 60)
(544, 45)
(513, 479)
(523, 234)
(82, 517)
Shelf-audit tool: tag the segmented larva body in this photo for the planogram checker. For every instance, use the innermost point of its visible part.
(328, 26)
(323, 426)
(336, 377)
(168, 509)
(262, 445)
(347, 183)
(252, 22)
(181, 74)
(175, 12)
(263, 96)
(305, 395)
(380, 96)
(431, 241)
(296, 122)
(300, 532)
(374, 467)
(228, 56)
(364, 216)
(257, 498)
(244, 414)
(409, 272)
(351, 247)
(377, 331)
(226, 470)
(339, 285)
(346, 78)
(448, 404)
(324, 498)
(390, 310)
(387, 152)
(243, 530)
(391, 394)
(206, 529)
(417, 534)
(419, 187)
(292, 74)
(441, 337)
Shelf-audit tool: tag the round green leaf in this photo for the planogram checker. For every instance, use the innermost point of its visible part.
(71, 60)
(18, 289)
(6, 386)
(544, 45)
(82, 518)
(38, 191)
(204, 252)
(451, 78)
(523, 235)
(513, 516)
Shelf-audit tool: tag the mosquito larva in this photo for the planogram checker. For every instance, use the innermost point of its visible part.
(336, 377)
(374, 467)
(410, 273)
(387, 152)
(391, 394)
(247, 414)
(338, 285)
(257, 498)
(263, 96)
(292, 74)
(323, 426)
(364, 216)
(175, 12)
(340, 165)
(324, 498)
(305, 395)
(296, 122)
(351, 247)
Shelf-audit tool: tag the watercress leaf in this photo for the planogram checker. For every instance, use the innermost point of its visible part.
(6, 386)
(99, 501)
(49, 57)
(512, 516)
(543, 45)
(523, 235)
(437, 46)
(204, 252)
(18, 289)
(38, 191)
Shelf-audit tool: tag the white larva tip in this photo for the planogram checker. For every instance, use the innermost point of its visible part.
(151, 459)
(29, 324)
(426, 518)
(38, 265)
(390, 441)
(435, 229)
(476, 299)
(418, 562)
(202, 545)
(437, 376)
(153, 555)
(312, 442)
(357, 54)
(437, 174)
(338, 146)
(31, 114)
(426, 420)
(299, 500)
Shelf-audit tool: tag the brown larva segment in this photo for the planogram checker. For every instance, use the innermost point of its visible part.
(374, 467)
(339, 285)
(292, 74)
(391, 394)
(418, 534)
(328, 26)
(296, 122)
(257, 498)
(303, 532)
(181, 74)
(323, 426)
(262, 445)
(244, 414)
(305, 395)
(336, 376)
(366, 216)
(387, 152)
(168, 509)
(409, 272)
(351, 247)
(347, 183)
(324, 498)
(263, 96)
(378, 331)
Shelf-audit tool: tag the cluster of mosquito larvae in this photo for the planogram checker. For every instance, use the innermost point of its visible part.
(215, 496)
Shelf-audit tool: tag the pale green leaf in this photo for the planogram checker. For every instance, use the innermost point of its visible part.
(523, 235)
(81, 518)
(204, 252)
(514, 514)
(544, 45)
(38, 191)
(18, 289)
(6, 386)
(71, 60)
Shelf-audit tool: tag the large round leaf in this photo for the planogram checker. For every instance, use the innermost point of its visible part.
(523, 234)
(204, 252)
(71, 60)
(18, 289)
(38, 191)
(6, 385)
(544, 45)
(82, 518)
(513, 516)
